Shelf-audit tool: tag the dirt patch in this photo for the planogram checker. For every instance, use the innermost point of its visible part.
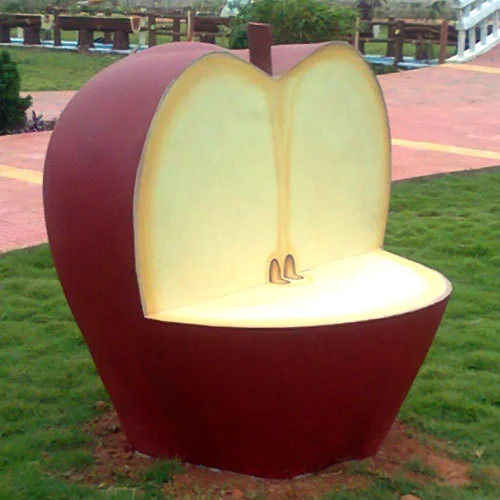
(403, 452)
(196, 481)
(404, 447)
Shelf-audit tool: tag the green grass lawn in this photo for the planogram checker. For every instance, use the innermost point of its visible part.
(379, 48)
(44, 69)
(48, 69)
(452, 224)
(49, 387)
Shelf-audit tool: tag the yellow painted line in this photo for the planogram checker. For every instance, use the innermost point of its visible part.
(446, 148)
(21, 174)
(471, 67)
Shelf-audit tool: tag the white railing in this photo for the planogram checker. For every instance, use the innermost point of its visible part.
(473, 16)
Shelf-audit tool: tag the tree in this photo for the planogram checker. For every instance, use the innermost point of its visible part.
(294, 21)
(12, 105)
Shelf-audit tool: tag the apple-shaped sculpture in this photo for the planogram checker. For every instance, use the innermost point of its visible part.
(218, 232)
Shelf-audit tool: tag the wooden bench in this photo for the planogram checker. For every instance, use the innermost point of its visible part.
(30, 24)
(401, 31)
(121, 27)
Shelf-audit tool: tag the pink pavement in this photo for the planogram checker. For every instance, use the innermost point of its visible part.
(444, 105)
(49, 103)
(21, 208)
(21, 215)
(24, 150)
(492, 58)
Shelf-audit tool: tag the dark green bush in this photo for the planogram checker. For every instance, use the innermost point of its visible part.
(12, 106)
(295, 21)
(12, 6)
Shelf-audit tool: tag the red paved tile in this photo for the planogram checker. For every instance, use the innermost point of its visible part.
(21, 215)
(49, 103)
(24, 150)
(491, 58)
(447, 106)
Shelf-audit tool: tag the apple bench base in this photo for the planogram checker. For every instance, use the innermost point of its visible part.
(275, 402)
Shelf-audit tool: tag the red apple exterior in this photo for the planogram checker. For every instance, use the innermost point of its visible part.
(271, 402)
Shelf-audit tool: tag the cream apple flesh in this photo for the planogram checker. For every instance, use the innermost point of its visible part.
(295, 185)
(218, 235)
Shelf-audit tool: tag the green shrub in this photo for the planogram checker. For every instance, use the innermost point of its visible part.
(12, 106)
(295, 21)
(12, 6)
(239, 36)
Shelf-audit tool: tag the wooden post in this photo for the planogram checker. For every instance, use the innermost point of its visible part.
(390, 34)
(121, 40)
(365, 32)
(57, 28)
(190, 26)
(32, 35)
(4, 33)
(107, 38)
(365, 8)
(107, 34)
(399, 34)
(151, 30)
(443, 41)
(177, 29)
(419, 49)
(85, 38)
(260, 41)
(356, 34)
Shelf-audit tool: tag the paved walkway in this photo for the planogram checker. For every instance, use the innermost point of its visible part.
(49, 103)
(443, 119)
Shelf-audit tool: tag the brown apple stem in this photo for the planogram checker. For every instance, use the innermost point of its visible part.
(260, 40)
